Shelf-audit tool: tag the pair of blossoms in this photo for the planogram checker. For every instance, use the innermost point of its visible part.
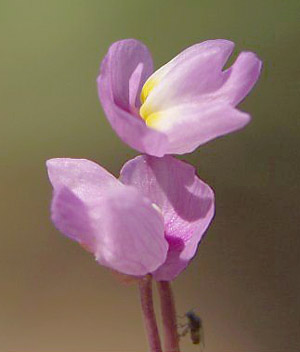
(151, 219)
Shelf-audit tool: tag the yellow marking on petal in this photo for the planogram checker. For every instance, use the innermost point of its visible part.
(153, 120)
(146, 112)
(147, 87)
(151, 82)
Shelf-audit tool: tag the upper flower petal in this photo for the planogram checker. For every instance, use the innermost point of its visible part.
(192, 100)
(242, 76)
(123, 72)
(195, 72)
(116, 223)
(186, 202)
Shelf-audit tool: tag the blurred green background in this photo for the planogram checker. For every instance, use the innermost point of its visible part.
(244, 281)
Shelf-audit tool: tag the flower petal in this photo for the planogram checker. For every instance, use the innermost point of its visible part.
(121, 227)
(83, 181)
(195, 72)
(186, 202)
(86, 179)
(242, 76)
(127, 61)
(123, 72)
(191, 125)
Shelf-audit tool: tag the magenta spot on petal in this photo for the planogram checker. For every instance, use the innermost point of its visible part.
(175, 243)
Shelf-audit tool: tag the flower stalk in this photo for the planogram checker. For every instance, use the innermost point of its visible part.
(171, 337)
(145, 287)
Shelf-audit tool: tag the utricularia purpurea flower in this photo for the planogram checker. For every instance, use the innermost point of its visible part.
(151, 220)
(186, 103)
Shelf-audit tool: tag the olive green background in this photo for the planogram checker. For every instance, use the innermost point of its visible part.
(244, 281)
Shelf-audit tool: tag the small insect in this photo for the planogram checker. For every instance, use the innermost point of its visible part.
(195, 327)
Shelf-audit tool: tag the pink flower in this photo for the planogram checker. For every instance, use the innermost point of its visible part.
(150, 220)
(186, 103)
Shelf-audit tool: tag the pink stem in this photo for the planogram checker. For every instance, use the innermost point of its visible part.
(145, 286)
(171, 338)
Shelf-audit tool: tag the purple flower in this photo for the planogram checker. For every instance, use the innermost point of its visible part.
(150, 220)
(186, 103)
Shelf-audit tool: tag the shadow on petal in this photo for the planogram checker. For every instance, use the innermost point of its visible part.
(190, 197)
